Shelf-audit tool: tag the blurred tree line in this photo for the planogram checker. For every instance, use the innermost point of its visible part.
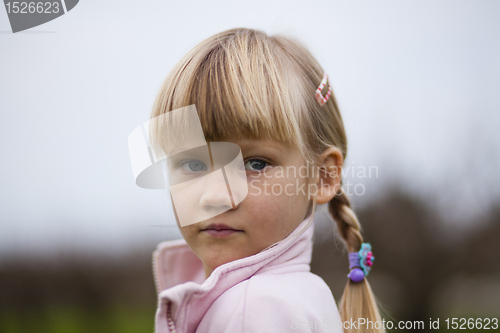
(423, 269)
(419, 273)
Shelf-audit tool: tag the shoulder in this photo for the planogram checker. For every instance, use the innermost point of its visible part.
(291, 302)
(301, 292)
(298, 301)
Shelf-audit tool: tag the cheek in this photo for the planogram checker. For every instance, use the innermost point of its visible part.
(276, 204)
(189, 233)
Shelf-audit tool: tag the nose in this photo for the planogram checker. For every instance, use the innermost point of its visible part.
(215, 194)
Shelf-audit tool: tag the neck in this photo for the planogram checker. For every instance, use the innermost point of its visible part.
(208, 271)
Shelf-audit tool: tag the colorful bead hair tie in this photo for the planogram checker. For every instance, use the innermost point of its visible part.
(364, 259)
(319, 98)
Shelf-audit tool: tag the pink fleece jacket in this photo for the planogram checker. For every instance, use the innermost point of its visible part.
(271, 291)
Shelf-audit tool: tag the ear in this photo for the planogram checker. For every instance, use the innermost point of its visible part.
(330, 175)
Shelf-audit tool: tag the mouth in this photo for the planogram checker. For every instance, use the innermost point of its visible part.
(219, 226)
(220, 230)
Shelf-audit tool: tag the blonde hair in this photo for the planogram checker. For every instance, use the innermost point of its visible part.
(246, 84)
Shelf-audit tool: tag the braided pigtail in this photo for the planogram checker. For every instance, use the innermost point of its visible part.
(357, 300)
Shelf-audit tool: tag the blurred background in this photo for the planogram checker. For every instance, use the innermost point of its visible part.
(418, 85)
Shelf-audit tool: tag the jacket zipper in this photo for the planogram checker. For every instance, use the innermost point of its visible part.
(170, 321)
(155, 273)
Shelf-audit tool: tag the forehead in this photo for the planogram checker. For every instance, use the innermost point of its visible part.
(268, 144)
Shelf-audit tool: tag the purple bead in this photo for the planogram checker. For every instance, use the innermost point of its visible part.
(356, 275)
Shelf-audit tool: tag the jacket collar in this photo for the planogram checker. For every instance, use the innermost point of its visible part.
(185, 294)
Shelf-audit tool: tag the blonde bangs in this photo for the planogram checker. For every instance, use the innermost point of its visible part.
(242, 88)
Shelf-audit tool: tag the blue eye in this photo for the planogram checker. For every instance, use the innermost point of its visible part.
(194, 166)
(255, 165)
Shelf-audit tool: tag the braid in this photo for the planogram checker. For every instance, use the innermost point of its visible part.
(358, 300)
(347, 222)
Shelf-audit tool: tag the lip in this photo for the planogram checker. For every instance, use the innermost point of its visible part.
(220, 230)
(219, 226)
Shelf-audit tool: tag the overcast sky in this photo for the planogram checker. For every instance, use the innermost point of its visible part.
(418, 85)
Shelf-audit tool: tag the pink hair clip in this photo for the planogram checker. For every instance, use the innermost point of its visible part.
(319, 98)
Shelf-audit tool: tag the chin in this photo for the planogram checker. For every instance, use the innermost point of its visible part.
(220, 260)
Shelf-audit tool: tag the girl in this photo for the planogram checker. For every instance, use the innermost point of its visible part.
(247, 269)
